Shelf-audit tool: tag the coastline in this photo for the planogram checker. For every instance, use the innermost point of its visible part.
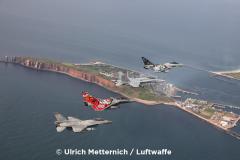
(207, 120)
(231, 71)
(109, 85)
(226, 130)
(227, 74)
(146, 102)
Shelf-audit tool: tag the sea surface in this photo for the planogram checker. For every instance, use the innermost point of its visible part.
(204, 35)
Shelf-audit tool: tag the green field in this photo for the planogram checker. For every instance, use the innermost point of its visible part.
(207, 113)
(140, 92)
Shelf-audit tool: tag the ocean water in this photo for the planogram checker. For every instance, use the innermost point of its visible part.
(203, 35)
(28, 99)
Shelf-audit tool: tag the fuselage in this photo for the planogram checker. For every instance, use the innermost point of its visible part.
(70, 123)
(160, 68)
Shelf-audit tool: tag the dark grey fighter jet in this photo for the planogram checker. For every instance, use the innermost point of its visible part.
(160, 67)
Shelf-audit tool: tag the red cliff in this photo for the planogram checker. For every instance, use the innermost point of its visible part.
(61, 68)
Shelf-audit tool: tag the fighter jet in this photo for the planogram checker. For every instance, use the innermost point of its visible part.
(136, 82)
(99, 104)
(160, 67)
(76, 124)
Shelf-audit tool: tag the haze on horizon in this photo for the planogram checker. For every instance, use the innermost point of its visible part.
(202, 33)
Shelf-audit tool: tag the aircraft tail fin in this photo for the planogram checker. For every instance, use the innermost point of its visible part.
(129, 78)
(146, 61)
(127, 75)
(59, 117)
(85, 94)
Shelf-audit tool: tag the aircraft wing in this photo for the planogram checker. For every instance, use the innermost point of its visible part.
(78, 128)
(148, 80)
(173, 64)
(73, 119)
(97, 108)
(60, 129)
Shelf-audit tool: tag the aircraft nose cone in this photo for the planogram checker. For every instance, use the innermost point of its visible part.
(108, 121)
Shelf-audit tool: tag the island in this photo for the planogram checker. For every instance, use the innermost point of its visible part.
(160, 92)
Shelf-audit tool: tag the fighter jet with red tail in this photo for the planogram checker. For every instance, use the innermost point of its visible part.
(99, 104)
